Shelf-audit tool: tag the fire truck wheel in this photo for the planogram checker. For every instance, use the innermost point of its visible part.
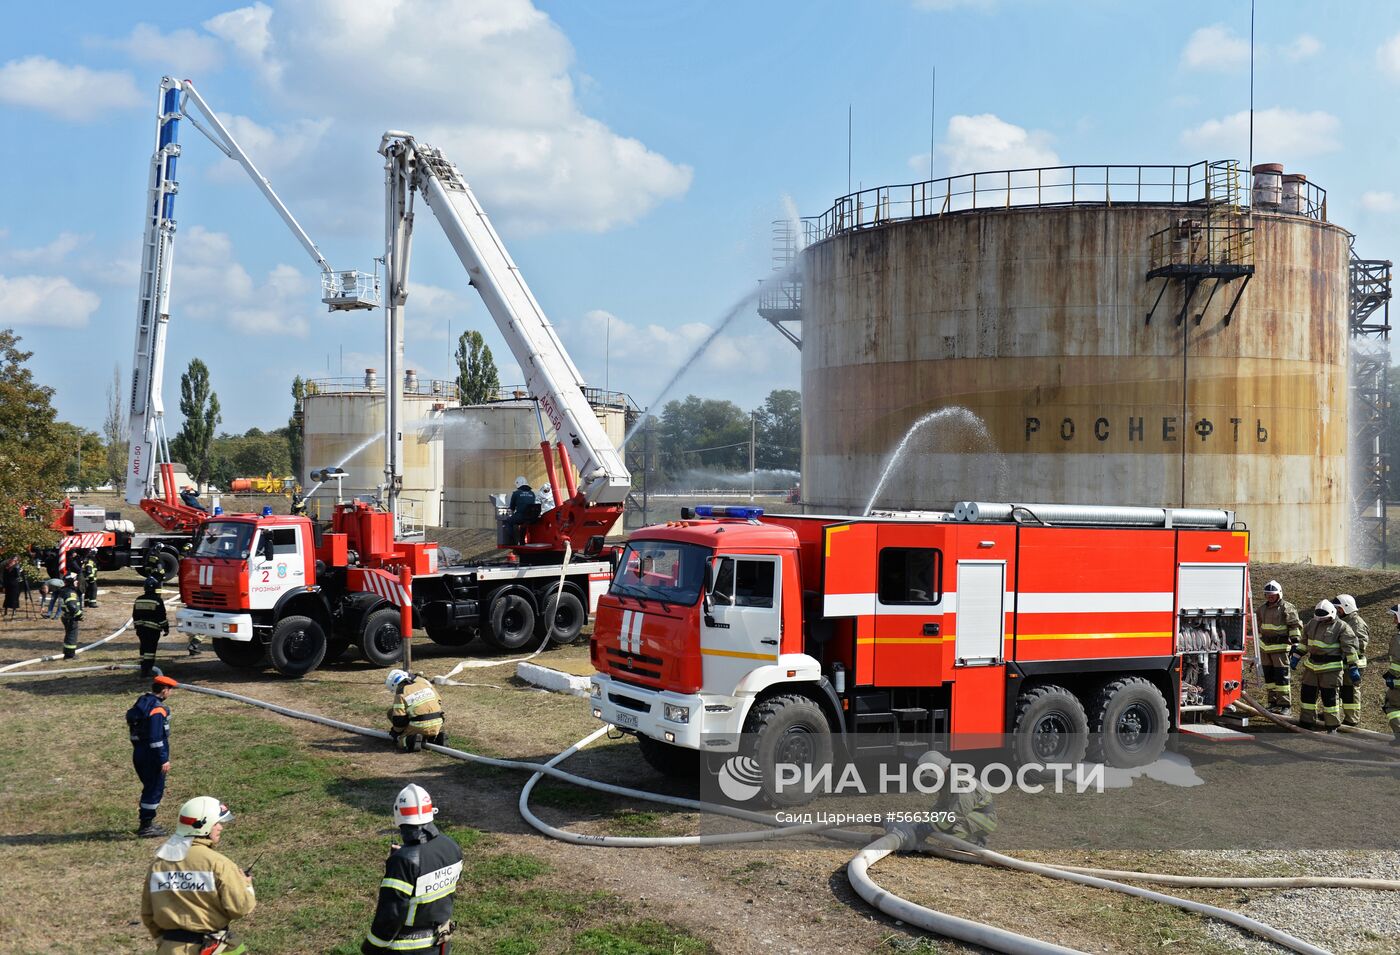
(297, 647)
(241, 654)
(1128, 723)
(568, 617)
(512, 621)
(1051, 727)
(382, 639)
(169, 566)
(675, 762)
(788, 729)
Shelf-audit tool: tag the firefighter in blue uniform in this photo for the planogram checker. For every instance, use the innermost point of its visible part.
(149, 723)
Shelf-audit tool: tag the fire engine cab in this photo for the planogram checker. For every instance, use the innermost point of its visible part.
(1080, 631)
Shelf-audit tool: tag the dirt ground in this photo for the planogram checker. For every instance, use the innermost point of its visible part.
(750, 900)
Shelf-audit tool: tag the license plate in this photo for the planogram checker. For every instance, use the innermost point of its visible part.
(625, 719)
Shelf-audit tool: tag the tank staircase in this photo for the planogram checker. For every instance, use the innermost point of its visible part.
(780, 297)
(1215, 248)
(1369, 327)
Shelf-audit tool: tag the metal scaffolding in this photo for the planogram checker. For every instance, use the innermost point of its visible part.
(1369, 325)
(780, 299)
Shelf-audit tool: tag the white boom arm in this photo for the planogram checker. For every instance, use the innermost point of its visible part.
(550, 375)
(341, 291)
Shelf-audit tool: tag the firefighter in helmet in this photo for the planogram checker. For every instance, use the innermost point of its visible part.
(1392, 679)
(969, 816)
(1350, 689)
(149, 617)
(417, 711)
(149, 723)
(70, 612)
(522, 510)
(414, 913)
(89, 572)
(193, 891)
(1279, 632)
(1328, 650)
(298, 504)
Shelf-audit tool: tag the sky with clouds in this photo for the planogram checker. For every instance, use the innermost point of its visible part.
(631, 154)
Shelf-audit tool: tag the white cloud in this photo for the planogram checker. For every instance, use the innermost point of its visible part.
(45, 300)
(210, 284)
(1215, 47)
(1388, 57)
(184, 52)
(491, 83)
(247, 30)
(1380, 202)
(1287, 134)
(51, 253)
(70, 92)
(1304, 46)
(284, 147)
(986, 142)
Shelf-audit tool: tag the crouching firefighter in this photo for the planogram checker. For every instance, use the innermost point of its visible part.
(192, 891)
(417, 711)
(966, 815)
(420, 876)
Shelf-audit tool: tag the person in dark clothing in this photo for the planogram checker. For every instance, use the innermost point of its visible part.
(89, 572)
(414, 913)
(191, 499)
(70, 612)
(149, 617)
(11, 576)
(298, 504)
(149, 723)
(522, 510)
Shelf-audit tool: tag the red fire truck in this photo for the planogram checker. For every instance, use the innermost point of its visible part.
(275, 588)
(1067, 627)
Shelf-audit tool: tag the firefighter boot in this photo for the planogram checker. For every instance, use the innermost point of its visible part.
(149, 830)
(194, 647)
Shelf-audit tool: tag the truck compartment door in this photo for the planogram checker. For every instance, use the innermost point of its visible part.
(848, 588)
(981, 623)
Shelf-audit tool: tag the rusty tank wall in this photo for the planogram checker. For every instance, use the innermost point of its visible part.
(1034, 321)
(337, 422)
(487, 446)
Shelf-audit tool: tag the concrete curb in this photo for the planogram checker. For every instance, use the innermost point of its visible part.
(553, 680)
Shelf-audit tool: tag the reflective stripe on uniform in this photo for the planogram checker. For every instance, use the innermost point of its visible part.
(397, 885)
(403, 944)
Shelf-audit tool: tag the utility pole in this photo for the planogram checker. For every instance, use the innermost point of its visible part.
(753, 433)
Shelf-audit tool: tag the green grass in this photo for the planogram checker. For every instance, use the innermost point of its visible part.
(319, 830)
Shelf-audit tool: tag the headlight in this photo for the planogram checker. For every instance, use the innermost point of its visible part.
(677, 714)
(595, 690)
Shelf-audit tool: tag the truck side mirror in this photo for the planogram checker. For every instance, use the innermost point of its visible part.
(265, 547)
(706, 605)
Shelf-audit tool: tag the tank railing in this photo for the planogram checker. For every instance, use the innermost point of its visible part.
(1303, 199)
(597, 397)
(357, 384)
(1201, 242)
(1031, 187)
(1048, 186)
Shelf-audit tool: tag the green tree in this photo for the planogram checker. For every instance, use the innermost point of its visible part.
(200, 406)
(116, 430)
(85, 463)
(32, 459)
(703, 433)
(779, 441)
(252, 454)
(296, 434)
(477, 379)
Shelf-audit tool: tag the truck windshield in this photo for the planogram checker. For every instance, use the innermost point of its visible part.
(662, 570)
(223, 539)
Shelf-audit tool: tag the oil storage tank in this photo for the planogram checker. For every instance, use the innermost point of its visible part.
(343, 424)
(1107, 335)
(488, 445)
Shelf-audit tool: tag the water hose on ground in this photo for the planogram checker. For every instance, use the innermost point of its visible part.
(58, 656)
(1384, 749)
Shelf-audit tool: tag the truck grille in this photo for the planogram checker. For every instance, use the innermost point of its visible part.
(207, 598)
(636, 664)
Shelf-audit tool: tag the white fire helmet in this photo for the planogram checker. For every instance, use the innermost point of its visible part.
(1325, 609)
(1395, 612)
(1272, 587)
(521, 482)
(395, 677)
(414, 807)
(199, 815)
(1348, 604)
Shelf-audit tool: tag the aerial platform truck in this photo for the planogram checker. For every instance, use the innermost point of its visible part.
(280, 589)
(1067, 629)
(113, 539)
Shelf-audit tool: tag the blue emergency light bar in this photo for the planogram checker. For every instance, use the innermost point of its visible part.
(728, 510)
